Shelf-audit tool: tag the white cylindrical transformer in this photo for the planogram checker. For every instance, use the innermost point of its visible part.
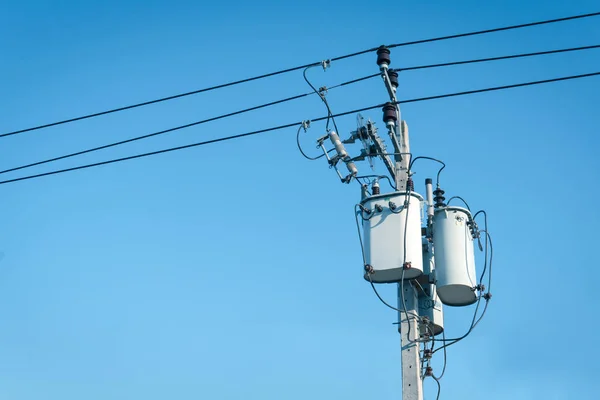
(454, 256)
(392, 236)
(430, 305)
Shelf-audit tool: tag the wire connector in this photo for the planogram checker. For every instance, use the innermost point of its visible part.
(428, 371)
(369, 269)
(325, 64)
(364, 209)
(480, 288)
(306, 124)
(487, 296)
(407, 265)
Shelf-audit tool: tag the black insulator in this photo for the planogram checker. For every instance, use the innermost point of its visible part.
(393, 78)
(410, 185)
(389, 113)
(439, 197)
(383, 56)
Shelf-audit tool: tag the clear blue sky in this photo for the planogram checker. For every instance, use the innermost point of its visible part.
(233, 270)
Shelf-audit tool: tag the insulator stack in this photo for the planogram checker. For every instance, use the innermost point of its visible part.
(383, 57)
(390, 115)
(439, 197)
(375, 188)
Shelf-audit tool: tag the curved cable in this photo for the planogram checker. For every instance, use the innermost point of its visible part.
(322, 97)
(461, 199)
(300, 147)
(475, 320)
(283, 71)
(432, 159)
(378, 177)
(439, 387)
(445, 357)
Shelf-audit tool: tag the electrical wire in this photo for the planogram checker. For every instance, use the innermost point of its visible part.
(445, 357)
(493, 30)
(118, 143)
(475, 320)
(439, 387)
(283, 71)
(162, 132)
(492, 89)
(300, 147)
(378, 177)
(508, 57)
(486, 242)
(461, 199)
(321, 95)
(473, 61)
(227, 138)
(432, 159)
(180, 127)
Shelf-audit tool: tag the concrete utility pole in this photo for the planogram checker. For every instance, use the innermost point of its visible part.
(431, 265)
(412, 384)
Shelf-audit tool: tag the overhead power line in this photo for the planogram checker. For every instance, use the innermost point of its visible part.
(283, 71)
(227, 138)
(479, 60)
(281, 101)
(180, 127)
(508, 57)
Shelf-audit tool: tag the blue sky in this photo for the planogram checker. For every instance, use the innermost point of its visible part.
(234, 270)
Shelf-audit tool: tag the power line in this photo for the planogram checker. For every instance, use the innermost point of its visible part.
(283, 71)
(478, 60)
(180, 127)
(295, 124)
(506, 28)
(121, 142)
(512, 56)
